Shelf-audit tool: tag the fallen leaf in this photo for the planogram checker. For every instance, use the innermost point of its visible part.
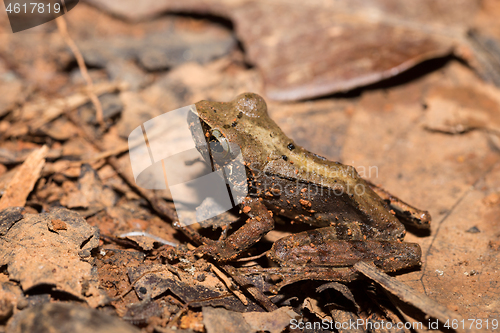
(60, 129)
(58, 225)
(274, 321)
(467, 260)
(67, 317)
(13, 92)
(23, 182)
(16, 151)
(468, 105)
(341, 288)
(91, 193)
(154, 52)
(35, 255)
(317, 47)
(8, 217)
(221, 320)
(191, 285)
(192, 321)
(438, 172)
(78, 148)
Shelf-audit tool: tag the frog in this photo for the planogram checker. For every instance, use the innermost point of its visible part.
(353, 219)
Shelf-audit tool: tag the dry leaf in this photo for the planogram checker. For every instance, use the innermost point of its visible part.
(36, 255)
(220, 320)
(319, 47)
(192, 285)
(91, 193)
(67, 317)
(8, 217)
(23, 182)
(13, 92)
(438, 172)
(460, 107)
(42, 111)
(274, 322)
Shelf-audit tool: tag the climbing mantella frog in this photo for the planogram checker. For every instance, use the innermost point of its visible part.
(356, 220)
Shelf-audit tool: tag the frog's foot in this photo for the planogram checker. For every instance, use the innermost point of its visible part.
(289, 275)
(259, 224)
(218, 251)
(320, 248)
(404, 212)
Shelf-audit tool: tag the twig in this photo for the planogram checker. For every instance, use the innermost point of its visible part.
(242, 281)
(229, 284)
(148, 235)
(131, 287)
(63, 29)
(176, 317)
(41, 112)
(105, 154)
(255, 292)
(390, 314)
(252, 258)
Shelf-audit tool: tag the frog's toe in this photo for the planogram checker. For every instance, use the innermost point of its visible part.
(216, 251)
(399, 256)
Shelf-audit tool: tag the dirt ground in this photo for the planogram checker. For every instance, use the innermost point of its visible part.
(407, 93)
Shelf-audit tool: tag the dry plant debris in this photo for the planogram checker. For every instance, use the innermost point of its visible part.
(221, 320)
(24, 180)
(191, 284)
(361, 42)
(82, 246)
(53, 249)
(61, 317)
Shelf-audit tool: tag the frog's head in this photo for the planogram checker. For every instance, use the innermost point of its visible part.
(243, 121)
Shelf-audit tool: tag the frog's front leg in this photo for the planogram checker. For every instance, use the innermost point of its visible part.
(321, 247)
(404, 212)
(259, 224)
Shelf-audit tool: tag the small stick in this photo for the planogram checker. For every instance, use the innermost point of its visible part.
(252, 258)
(63, 29)
(148, 235)
(105, 154)
(390, 314)
(229, 284)
(256, 293)
(409, 295)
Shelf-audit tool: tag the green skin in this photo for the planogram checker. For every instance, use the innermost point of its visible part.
(356, 220)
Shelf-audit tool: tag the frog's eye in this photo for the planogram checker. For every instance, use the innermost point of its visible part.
(219, 144)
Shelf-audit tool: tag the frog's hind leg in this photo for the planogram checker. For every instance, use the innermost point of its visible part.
(404, 212)
(323, 254)
(291, 275)
(322, 247)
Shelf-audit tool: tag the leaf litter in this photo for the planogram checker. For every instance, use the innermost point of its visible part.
(431, 134)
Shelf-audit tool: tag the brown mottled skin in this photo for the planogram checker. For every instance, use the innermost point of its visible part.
(356, 220)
